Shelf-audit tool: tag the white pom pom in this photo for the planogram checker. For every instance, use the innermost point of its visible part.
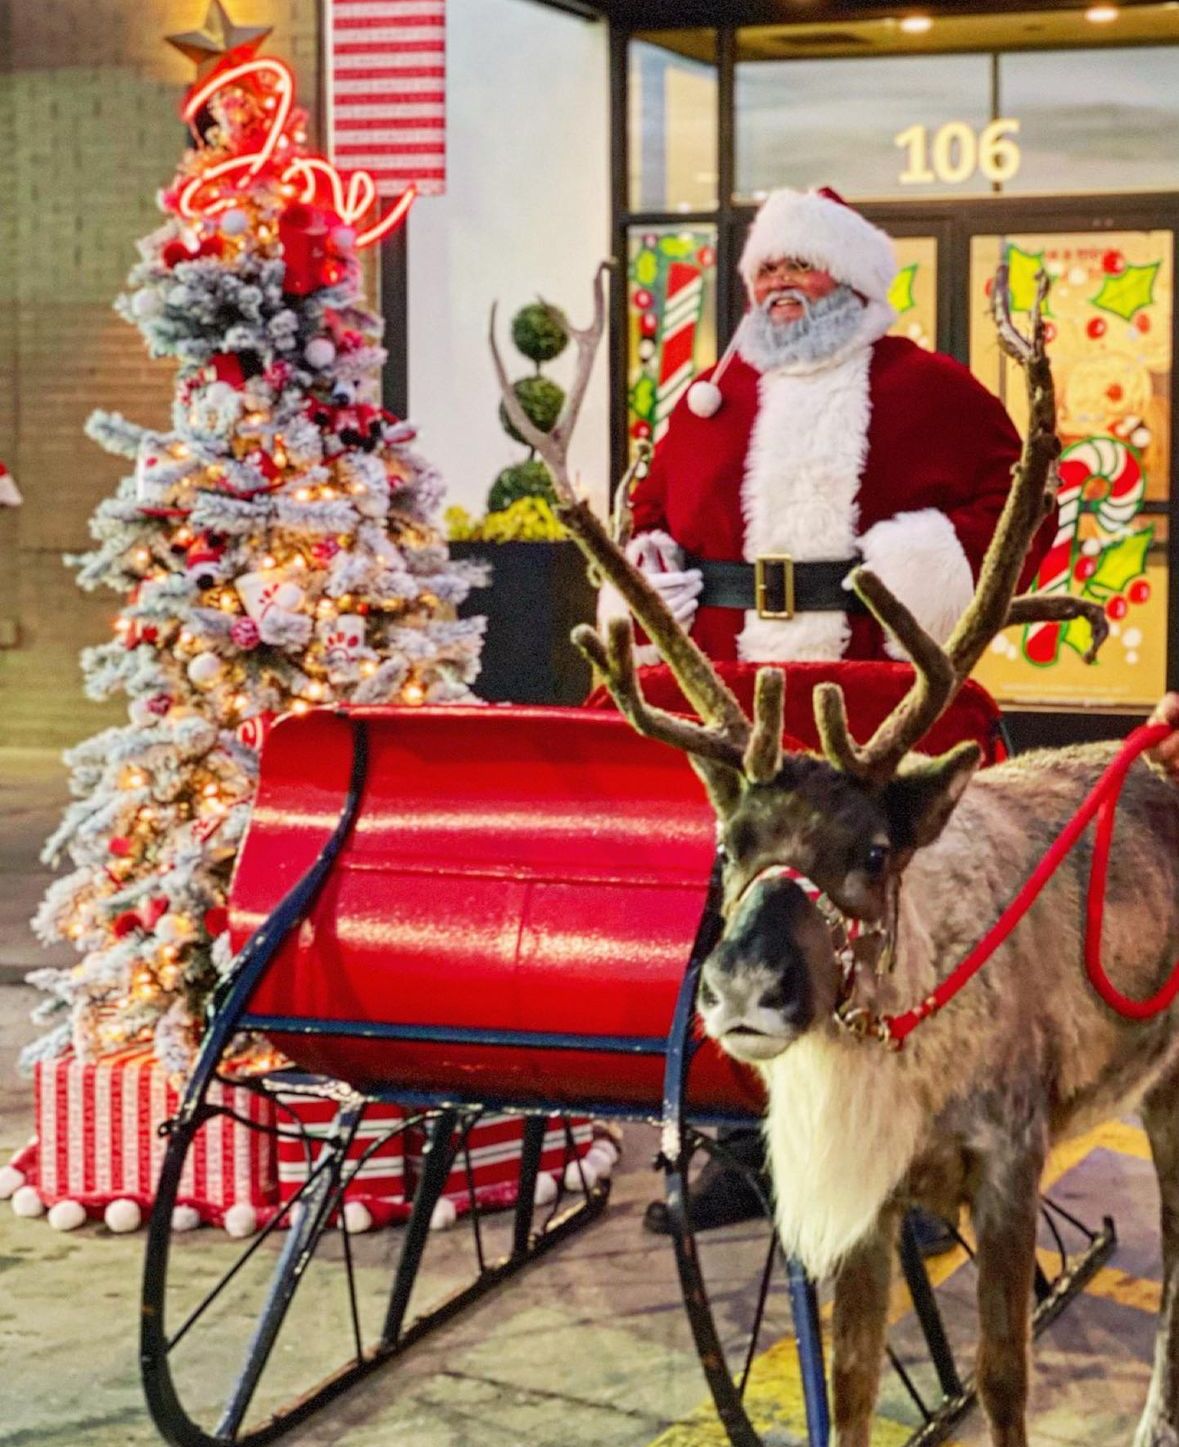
(704, 399)
(185, 1218)
(122, 1216)
(147, 303)
(235, 221)
(67, 1215)
(357, 1217)
(141, 713)
(26, 1202)
(578, 1171)
(205, 669)
(11, 1180)
(546, 1189)
(319, 352)
(443, 1216)
(601, 1162)
(605, 1146)
(241, 1219)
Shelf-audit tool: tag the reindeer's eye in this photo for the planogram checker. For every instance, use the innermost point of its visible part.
(876, 860)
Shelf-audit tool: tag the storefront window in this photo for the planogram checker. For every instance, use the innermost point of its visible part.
(913, 294)
(863, 126)
(673, 125)
(671, 317)
(1109, 320)
(1094, 120)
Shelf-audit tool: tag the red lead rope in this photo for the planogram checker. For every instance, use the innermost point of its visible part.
(1103, 802)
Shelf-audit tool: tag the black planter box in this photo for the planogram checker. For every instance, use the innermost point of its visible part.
(539, 592)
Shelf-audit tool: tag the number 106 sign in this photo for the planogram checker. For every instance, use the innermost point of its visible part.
(956, 151)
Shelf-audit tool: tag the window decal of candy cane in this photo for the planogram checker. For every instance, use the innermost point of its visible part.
(1108, 460)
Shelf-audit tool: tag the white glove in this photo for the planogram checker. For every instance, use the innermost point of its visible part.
(661, 560)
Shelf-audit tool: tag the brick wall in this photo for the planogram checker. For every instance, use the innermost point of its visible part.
(88, 131)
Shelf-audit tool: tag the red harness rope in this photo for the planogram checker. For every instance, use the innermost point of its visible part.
(1103, 802)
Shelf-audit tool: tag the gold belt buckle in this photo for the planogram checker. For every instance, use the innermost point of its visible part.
(761, 590)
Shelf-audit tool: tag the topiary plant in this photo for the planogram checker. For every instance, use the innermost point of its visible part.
(541, 332)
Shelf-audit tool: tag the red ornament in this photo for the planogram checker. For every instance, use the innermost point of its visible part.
(244, 634)
(126, 924)
(211, 246)
(364, 609)
(642, 299)
(174, 253)
(1139, 591)
(325, 550)
(1049, 332)
(1142, 322)
(1096, 327)
(216, 921)
(159, 704)
(648, 324)
(1113, 263)
(1117, 608)
(1114, 392)
(120, 846)
(706, 256)
(1085, 569)
(640, 430)
(226, 367)
(155, 909)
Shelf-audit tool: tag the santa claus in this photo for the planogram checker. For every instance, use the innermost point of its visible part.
(817, 443)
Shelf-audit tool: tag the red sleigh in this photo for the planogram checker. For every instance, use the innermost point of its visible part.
(463, 909)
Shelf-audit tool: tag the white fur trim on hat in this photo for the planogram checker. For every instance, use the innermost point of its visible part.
(828, 234)
(917, 556)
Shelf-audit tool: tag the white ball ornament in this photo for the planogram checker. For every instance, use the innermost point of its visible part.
(357, 1217)
(546, 1189)
(122, 1216)
(205, 669)
(580, 1175)
(26, 1202)
(185, 1218)
(443, 1216)
(234, 222)
(241, 1219)
(288, 595)
(141, 713)
(11, 1180)
(147, 302)
(67, 1215)
(319, 352)
(704, 399)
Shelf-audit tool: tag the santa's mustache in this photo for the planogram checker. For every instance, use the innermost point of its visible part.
(786, 293)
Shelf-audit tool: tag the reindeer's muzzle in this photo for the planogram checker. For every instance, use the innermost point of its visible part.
(756, 989)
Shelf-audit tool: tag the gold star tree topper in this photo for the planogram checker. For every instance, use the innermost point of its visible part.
(218, 36)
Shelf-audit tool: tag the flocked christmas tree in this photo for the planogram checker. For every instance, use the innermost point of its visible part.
(277, 548)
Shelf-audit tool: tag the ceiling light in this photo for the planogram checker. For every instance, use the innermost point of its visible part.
(916, 24)
(1101, 14)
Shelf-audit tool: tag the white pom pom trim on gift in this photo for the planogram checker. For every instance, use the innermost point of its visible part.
(26, 1202)
(357, 1217)
(241, 1219)
(11, 1180)
(578, 1171)
(546, 1190)
(235, 221)
(443, 1216)
(122, 1216)
(67, 1215)
(185, 1218)
(319, 352)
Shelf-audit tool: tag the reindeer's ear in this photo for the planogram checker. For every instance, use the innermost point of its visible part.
(724, 784)
(920, 800)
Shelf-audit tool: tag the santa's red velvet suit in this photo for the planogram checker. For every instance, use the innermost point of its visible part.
(881, 451)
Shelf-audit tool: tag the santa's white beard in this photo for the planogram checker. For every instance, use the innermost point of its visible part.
(824, 329)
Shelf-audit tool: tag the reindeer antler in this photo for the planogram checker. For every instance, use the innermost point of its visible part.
(941, 672)
(726, 731)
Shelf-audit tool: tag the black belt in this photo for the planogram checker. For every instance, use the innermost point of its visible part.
(778, 587)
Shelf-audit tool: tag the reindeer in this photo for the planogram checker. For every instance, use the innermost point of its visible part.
(918, 856)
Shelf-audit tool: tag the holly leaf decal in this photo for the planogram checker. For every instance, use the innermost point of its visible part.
(677, 246)
(900, 293)
(1120, 564)
(1077, 634)
(1127, 293)
(646, 268)
(1022, 269)
(642, 397)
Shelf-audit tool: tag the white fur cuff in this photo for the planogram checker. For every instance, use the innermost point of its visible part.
(917, 556)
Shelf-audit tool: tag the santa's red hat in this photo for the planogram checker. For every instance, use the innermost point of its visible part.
(820, 227)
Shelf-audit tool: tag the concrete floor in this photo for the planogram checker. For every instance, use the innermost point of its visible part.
(587, 1349)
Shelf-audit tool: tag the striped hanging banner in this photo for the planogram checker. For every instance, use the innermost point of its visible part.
(387, 92)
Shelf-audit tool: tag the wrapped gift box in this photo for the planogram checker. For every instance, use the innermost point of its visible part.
(380, 1182)
(494, 1143)
(98, 1139)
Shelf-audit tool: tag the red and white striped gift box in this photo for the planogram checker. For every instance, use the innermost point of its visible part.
(494, 1143)
(98, 1138)
(379, 1182)
(387, 92)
